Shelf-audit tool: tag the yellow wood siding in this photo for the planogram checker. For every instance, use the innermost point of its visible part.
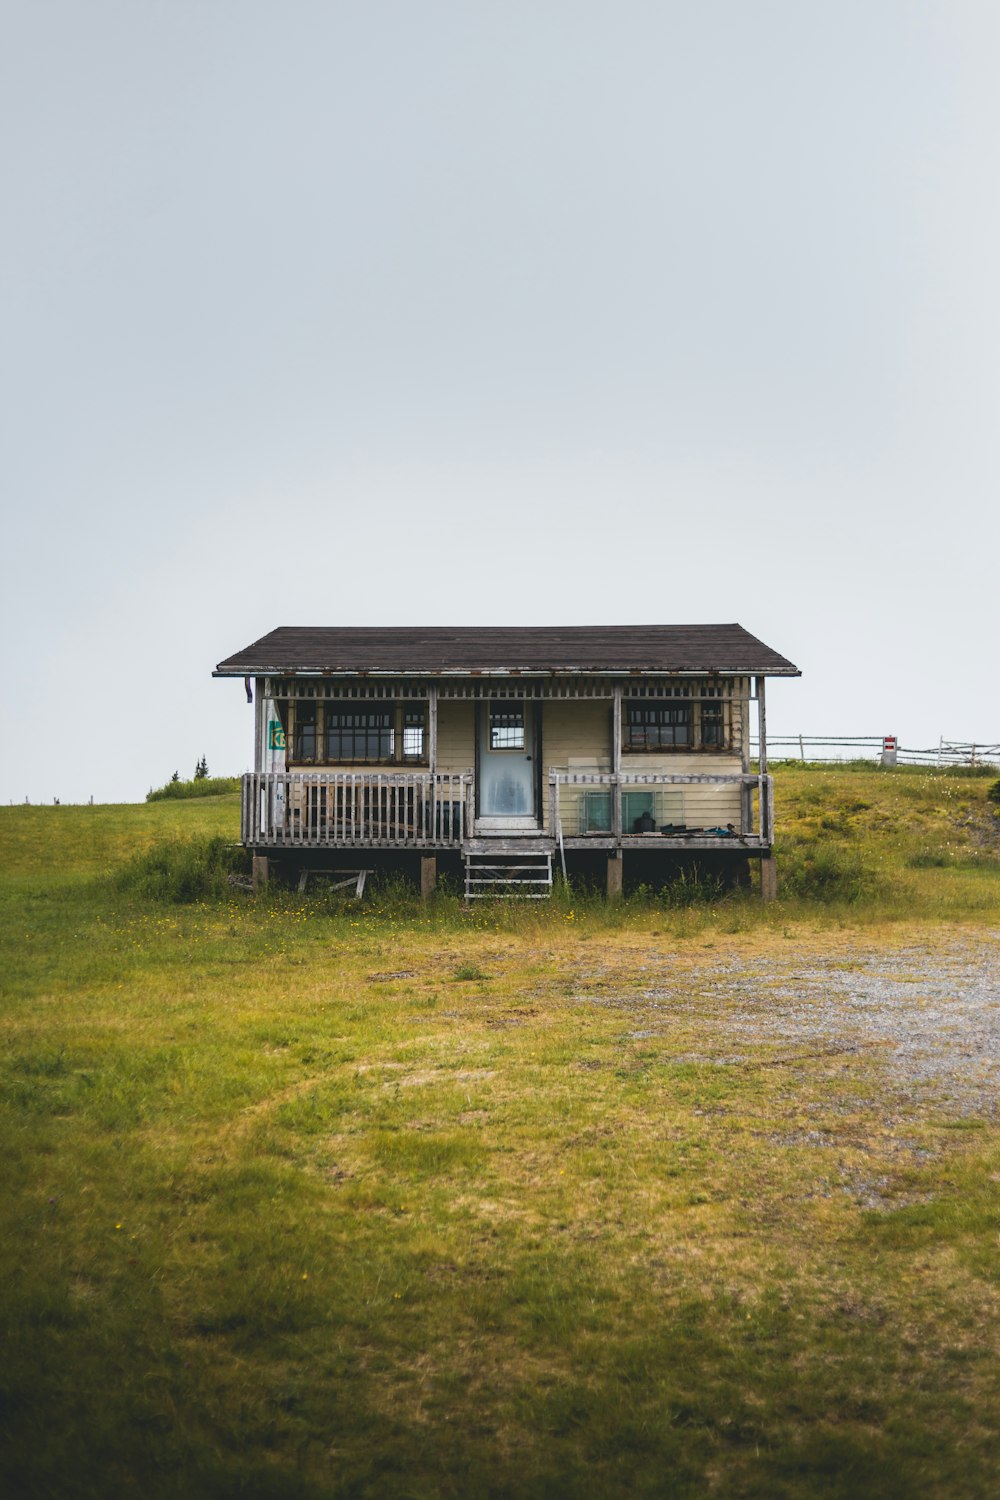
(576, 736)
(694, 805)
(456, 736)
(580, 729)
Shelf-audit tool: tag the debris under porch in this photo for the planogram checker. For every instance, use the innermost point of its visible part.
(528, 867)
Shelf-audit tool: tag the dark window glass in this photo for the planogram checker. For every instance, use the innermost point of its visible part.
(305, 731)
(414, 734)
(658, 726)
(506, 726)
(712, 725)
(359, 734)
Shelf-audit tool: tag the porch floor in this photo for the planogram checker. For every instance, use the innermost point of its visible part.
(528, 843)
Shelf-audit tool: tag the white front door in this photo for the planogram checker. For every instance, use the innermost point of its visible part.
(507, 780)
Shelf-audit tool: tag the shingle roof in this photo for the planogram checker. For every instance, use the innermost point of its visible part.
(545, 648)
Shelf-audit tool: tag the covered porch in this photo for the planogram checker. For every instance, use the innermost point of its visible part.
(437, 811)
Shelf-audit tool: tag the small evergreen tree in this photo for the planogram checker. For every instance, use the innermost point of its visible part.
(201, 769)
(175, 776)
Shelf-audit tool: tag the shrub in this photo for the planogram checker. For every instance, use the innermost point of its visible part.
(182, 870)
(204, 786)
(993, 792)
(829, 875)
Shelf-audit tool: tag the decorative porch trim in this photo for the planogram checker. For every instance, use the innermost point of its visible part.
(360, 689)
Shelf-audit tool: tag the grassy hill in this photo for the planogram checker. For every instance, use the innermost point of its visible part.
(907, 840)
(306, 1198)
(77, 842)
(899, 842)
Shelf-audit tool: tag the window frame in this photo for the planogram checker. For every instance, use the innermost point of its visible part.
(322, 712)
(374, 730)
(701, 713)
(506, 708)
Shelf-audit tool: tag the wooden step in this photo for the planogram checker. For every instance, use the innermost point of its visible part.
(526, 877)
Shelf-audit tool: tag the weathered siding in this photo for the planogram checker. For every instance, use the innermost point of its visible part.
(578, 729)
(456, 735)
(694, 805)
(576, 736)
(740, 720)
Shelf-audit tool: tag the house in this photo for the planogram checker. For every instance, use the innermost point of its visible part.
(509, 751)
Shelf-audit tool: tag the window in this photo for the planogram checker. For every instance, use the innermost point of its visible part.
(675, 724)
(305, 731)
(506, 726)
(356, 734)
(659, 726)
(713, 726)
(414, 733)
(340, 733)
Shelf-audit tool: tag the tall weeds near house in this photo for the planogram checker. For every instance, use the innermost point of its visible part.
(181, 870)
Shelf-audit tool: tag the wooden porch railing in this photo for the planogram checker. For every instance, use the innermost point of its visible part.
(330, 809)
(756, 801)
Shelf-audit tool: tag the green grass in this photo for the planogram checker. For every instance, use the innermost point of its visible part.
(200, 786)
(878, 840)
(310, 1198)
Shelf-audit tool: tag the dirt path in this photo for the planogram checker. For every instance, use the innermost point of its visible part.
(928, 1009)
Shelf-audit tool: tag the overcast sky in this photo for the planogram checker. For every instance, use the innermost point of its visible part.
(371, 312)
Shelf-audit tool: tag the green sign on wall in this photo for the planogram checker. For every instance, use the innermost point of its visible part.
(275, 735)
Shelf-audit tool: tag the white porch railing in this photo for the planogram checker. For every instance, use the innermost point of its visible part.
(624, 806)
(398, 810)
(331, 809)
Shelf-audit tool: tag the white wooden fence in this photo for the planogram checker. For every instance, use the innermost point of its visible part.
(869, 747)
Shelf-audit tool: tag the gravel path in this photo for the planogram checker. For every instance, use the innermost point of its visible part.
(929, 1014)
(933, 1014)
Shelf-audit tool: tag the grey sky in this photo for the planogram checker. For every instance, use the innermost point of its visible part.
(322, 313)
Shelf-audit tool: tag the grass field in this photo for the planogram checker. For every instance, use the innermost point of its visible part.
(310, 1198)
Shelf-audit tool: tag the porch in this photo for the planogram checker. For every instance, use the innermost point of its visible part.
(645, 810)
(436, 811)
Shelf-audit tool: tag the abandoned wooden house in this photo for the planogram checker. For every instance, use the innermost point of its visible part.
(507, 753)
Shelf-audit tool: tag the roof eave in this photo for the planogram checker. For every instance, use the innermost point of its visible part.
(515, 672)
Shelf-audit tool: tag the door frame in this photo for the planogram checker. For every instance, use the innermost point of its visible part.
(497, 823)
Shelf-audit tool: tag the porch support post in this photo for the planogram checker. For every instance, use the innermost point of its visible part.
(432, 729)
(615, 875)
(259, 724)
(260, 871)
(765, 829)
(762, 726)
(768, 878)
(428, 875)
(616, 785)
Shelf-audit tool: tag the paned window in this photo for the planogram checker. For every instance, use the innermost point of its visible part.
(659, 726)
(713, 726)
(305, 731)
(343, 733)
(506, 726)
(355, 735)
(414, 734)
(675, 724)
